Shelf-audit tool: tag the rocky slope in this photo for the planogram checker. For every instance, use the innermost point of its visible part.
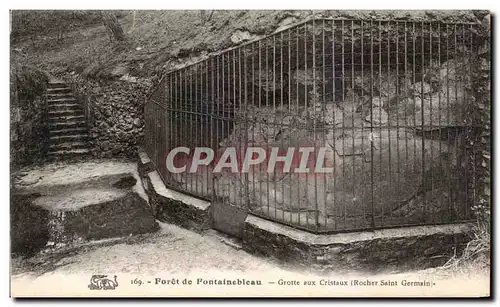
(115, 78)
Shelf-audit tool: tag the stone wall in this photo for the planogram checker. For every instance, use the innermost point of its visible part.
(27, 106)
(382, 250)
(174, 207)
(116, 105)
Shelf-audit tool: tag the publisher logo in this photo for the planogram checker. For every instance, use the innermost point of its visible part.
(101, 282)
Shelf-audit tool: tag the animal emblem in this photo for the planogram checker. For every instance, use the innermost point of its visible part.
(100, 282)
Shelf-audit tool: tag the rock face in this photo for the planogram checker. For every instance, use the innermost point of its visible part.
(29, 225)
(27, 106)
(59, 215)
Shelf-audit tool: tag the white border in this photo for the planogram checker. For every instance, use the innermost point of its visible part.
(147, 4)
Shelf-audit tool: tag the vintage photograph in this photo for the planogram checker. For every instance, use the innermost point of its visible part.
(250, 153)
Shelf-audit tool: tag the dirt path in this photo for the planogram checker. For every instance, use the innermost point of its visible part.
(172, 250)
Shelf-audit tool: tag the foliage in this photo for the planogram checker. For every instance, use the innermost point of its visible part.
(482, 117)
(478, 147)
(111, 23)
(27, 103)
(36, 24)
(30, 82)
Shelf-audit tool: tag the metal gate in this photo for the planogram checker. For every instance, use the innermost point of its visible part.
(386, 99)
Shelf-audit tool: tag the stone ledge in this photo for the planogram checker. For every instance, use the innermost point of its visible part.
(162, 190)
(177, 208)
(351, 237)
(397, 249)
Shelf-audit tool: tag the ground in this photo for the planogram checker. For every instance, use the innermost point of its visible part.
(178, 252)
(175, 252)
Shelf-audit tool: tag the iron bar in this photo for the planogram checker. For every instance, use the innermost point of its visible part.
(276, 91)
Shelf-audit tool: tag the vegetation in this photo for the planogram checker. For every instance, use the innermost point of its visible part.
(481, 116)
(27, 84)
(35, 25)
(478, 147)
(112, 25)
(30, 82)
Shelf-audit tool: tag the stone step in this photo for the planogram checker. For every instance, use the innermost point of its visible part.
(61, 100)
(64, 106)
(67, 153)
(66, 112)
(68, 131)
(51, 96)
(82, 137)
(56, 125)
(56, 118)
(62, 90)
(57, 84)
(68, 134)
(90, 213)
(68, 146)
(64, 124)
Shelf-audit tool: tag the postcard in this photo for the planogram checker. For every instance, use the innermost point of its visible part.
(250, 153)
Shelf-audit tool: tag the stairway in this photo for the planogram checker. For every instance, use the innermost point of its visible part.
(67, 128)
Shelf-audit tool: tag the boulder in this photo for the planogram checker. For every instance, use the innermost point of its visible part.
(377, 115)
(329, 113)
(239, 36)
(421, 89)
(392, 157)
